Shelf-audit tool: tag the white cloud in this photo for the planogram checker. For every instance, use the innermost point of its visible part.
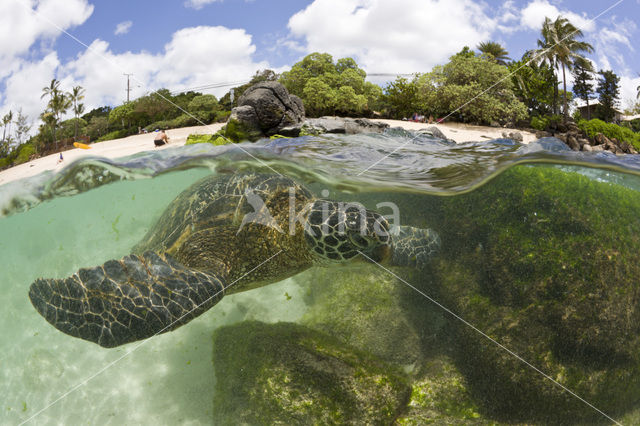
(533, 16)
(402, 36)
(24, 87)
(613, 43)
(123, 27)
(199, 4)
(194, 57)
(628, 90)
(25, 22)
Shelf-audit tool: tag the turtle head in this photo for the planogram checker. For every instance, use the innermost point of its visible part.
(337, 231)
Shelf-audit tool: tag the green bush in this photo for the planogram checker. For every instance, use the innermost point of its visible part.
(26, 152)
(4, 162)
(539, 123)
(610, 130)
(222, 116)
(546, 121)
(117, 134)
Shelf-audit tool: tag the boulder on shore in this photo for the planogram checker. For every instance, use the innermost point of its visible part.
(265, 109)
(341, 125)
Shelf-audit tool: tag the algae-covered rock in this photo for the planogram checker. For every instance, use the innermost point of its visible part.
(265, 109)
(243, 125)
(373, 311)
(289, 374)
(214, 139)
(546, 262)
(441, 397)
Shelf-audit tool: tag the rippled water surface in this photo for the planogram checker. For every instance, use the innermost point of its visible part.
(97, 209)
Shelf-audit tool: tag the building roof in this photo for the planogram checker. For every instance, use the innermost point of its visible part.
(592, 103)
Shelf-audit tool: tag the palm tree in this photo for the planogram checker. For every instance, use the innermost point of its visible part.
(76, 95)
(559, 47)
(58, 105)
(496, 50)
(52, 89)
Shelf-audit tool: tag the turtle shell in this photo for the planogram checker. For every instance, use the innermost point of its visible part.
(237, 225)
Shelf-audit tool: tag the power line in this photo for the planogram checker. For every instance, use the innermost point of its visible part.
(212, 86)
(389, 74)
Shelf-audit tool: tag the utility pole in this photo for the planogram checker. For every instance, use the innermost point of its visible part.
(128, 86)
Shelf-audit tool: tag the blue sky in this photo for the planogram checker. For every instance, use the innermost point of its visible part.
(183, 44)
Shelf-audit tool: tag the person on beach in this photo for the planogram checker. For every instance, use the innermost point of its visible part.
(161, 138)
(61, 159)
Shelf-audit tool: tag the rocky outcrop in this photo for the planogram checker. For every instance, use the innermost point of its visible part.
(577, 140)
(545, 262)
(435, 132)
(516, 136)
(340, 125)
(288, 374)
(265, 109)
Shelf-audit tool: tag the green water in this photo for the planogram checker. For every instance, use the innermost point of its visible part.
(166, 380)
(541, 258)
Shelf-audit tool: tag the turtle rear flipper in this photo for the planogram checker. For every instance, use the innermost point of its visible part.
(413, 246)
(126, 300)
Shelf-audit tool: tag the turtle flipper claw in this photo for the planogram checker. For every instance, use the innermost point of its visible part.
(126, 300)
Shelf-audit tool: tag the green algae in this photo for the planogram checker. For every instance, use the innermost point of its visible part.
(368, 309)
(546, 262)
(289, 374)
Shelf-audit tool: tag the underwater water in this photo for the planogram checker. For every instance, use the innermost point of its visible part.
(537, 273)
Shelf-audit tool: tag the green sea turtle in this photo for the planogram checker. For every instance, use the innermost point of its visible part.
(225, 234)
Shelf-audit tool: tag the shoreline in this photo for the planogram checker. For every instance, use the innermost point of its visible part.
(134, 144)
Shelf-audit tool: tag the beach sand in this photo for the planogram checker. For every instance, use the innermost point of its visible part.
(177, 137)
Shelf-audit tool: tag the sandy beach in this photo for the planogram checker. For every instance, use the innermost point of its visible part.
(177, 137)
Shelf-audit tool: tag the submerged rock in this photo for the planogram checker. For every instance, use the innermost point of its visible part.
(546, 262)
(440, 396)
(373, 311)
(288, 374)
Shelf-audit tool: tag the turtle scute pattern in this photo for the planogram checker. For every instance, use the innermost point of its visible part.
(126, 300)
(413, 246)
(337, 231)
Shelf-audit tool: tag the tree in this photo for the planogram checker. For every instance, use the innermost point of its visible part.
(582, 86)
(317, 71)
(534, 84)
(400, 96)
(319, 97)
(495, 51)
(22, 126)
(58, 104)
(349, 102)
(609, 91)
(51, 90)
(559, 47)
(203, 107)
(76, 95)
(471, 89)
(6, 123)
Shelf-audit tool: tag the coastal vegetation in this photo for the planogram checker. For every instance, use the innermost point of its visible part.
(484, 87)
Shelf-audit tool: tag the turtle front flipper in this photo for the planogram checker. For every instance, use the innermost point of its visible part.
(413, 246)
(126, 300)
